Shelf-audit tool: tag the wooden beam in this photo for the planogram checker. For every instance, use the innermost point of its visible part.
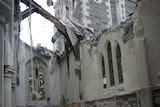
(26, 13)
(48, 16)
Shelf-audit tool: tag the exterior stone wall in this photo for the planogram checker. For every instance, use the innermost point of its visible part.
(114, 12)
(139, 43)
(6, 18)
(98, 14)
(52, 89)
(150, 34)
(69, 82)
(128, 100)
(77, 14)
(129, 7)
(2, 62)
(146, 32)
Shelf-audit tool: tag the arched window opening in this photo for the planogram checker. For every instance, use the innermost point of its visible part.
(36, 84)
(119, 64)
(112, 81)
(103, 73)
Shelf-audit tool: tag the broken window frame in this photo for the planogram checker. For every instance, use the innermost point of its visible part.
(37, 83)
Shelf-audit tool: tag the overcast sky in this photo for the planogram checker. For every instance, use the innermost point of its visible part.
(42, 29)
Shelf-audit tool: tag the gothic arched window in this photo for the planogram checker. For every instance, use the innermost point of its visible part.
(103, 73)
(36, 84)
(119, 65)
(111, 72)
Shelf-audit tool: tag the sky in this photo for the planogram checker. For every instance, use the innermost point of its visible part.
(42, 29)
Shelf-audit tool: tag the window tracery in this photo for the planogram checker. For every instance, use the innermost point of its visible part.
(36, 84)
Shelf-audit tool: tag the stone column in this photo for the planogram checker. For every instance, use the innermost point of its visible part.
(8, 72)
(141, 59)
(13, 94)
(2, 20)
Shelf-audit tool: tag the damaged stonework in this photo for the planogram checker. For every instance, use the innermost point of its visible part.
(127, 26)
(90, 38)
(64, 29)
(128, 29)
(98, 14)
(77, 14)
(75, 33)
(43, 50)
(42, 75)
(81, 74)
(130, 50)
(97, 46)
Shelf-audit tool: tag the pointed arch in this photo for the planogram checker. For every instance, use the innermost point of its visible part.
(119, 63)
(36, 83)
(110, 62)
(39, 59)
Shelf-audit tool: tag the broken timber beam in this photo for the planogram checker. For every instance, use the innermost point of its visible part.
(38, 9)
(27, 12)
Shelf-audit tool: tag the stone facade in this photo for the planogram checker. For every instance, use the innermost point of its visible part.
(15, 59)
(147, 33)
(42, 61)
(98, 14)
(95, 14)
(7, 53)
(127, 76)
(138, 41)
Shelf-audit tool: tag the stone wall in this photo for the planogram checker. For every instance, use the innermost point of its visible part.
(98, 12)
(129, 67)
(51, 80)
(114, 12)
(151, 35)
(21, 77)
(2, 62)
(77, 13)
(139, 43)
(69, 82)
(55, 95)
(6, 18)
(90, 72)
(147, 36)
(129, 7)
(120, 101)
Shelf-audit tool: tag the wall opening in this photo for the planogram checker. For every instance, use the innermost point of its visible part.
(119, 64)
(103, 73)
(36, 84)
(110, 62)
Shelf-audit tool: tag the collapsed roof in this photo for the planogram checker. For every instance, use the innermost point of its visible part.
(63, 28)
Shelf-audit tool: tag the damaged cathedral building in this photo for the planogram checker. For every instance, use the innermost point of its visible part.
(105, 55)
(115, 59)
